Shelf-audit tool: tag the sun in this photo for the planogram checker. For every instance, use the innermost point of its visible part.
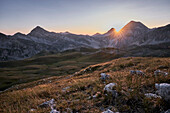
(118, 33)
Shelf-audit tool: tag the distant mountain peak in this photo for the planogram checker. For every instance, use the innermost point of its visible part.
(38, 27)
(18, 33)
(135, 25)
(110, 32)
(132, 21)
(38, 30)
(67, 32)
(97, 34)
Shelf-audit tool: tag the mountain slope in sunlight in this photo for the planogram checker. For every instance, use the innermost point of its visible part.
(21, 46)
(83, 91)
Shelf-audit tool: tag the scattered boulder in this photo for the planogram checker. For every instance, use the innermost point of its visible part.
(151, 95)
(159, 72)
(109, 88)
(132, 72)
(47, 104)
(109, 111)
(104, 76)
(163, 89)
(51, 104)
(168, 111)
(54, 111)
(137, 72)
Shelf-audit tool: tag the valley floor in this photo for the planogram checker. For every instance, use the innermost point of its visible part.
(83, 90)
(44, 66)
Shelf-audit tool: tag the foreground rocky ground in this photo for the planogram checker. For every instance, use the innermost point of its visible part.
(121, 85)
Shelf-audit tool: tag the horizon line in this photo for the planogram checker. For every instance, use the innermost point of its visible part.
(78, 33)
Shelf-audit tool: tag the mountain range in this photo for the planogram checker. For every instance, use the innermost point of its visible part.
(134, 37)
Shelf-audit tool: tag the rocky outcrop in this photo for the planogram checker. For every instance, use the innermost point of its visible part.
(163, 89)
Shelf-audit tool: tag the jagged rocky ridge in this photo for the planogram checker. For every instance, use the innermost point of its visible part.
(132, 35)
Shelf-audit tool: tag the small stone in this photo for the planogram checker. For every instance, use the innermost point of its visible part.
(150, 95)
(138, 72)
(108, 111)
(32, 110)
(132, 72)
(158, 72)
(104, 76)
(54, 111)
(47, 104)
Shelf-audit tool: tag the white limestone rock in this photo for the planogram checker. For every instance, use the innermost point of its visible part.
(151, 95)
(47, 104)
(32, 110)
(137, 72)
(54, 111)
(158, 72)
(132, 72)
(163, 89)
(168, 111)
(108, 111)
(104, 76)
(109, 88)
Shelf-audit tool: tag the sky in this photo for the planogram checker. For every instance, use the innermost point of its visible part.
(80, 16)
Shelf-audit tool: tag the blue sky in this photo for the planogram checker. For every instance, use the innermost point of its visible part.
(80, 16)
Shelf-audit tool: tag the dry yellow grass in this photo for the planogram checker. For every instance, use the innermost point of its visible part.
(87, 83)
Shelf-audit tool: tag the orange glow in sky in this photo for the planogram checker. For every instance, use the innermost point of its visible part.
(80, 16)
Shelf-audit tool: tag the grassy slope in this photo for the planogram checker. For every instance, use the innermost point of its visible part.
(87, 83)
(16, 72)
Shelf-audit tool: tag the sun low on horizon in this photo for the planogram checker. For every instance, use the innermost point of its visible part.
(80, 17)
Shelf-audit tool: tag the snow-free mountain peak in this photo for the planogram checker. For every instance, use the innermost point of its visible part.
(38, 31)
(134, 25)
(97, 34)
(18, 33)
(65, 33)
(134, 34)
(111, 32)
(38, 28)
